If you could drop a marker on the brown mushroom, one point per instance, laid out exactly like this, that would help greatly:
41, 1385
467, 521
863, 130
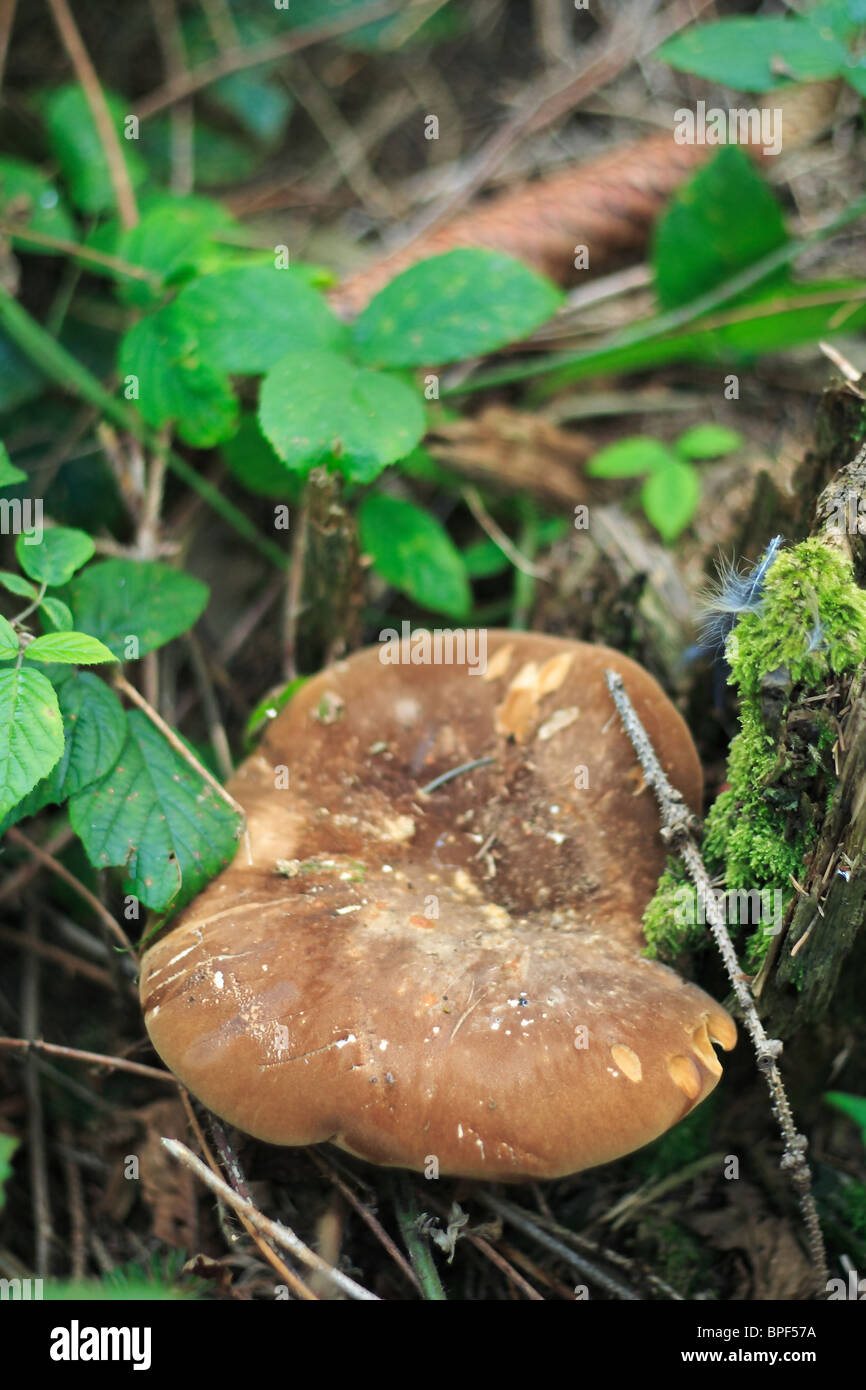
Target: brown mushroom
433, 965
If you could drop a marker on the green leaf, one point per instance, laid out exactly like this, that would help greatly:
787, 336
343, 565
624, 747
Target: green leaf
248, 317
316, 407
459, 305
253, 462
756, 55
629, 458
31, 733
174, 239
154, 815
16, 584
9, 474
177, 384
708, 441
94, 728
262, 107
414, 552
853, 1106
8, 1145
135, 606
58, 555
29, 200
9, 643
58, 615
70, 648
76, 144
724, 219
670, 497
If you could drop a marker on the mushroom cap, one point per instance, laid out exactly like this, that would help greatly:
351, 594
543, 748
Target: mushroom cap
451, 974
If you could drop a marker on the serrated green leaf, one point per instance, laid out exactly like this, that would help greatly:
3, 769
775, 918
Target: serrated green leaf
670, 497
9, 474
462, 304
8, 1145
94, 728
176, 383
629, 458
135, 606
56, 616
16, 584
253, 462
154, 815
709, 441
174, 239
9, 643
79, 151
61, 551
70, 648
721, 221
317, 407
248, 317
29, 200
31, 733
756, 55
413, 551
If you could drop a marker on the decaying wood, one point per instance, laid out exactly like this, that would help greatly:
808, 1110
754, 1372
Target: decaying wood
803, 971
607, 205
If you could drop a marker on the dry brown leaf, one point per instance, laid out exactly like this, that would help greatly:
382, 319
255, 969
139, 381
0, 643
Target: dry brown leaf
519, 451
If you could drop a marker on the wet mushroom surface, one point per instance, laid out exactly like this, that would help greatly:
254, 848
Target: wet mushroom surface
421, 960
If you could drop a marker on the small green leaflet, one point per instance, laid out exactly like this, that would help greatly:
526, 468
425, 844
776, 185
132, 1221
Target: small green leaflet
9, 474
174, 240
59, 618
462, 304
29, 200
9, 643
253, 462
16, 584
317, 407
721, 221
70, 648
58, 555
248, 317
135, 606
31, 733
176, 383
708, 441
670, 497
629, 458
154, 815
94, 726
413, 551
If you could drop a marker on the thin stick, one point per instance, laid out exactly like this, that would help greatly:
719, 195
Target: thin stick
524, 1221
178, 745
108, 137
7, 17
36, 1147
367, 1217
256, 53
472, 498
233, 1168
85, 255
22, 876
295, 589
65, 959
61, 871
98, 1059
276, 1232
678, 830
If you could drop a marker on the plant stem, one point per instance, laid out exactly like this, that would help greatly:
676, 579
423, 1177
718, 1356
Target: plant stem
678, 830
419, 1249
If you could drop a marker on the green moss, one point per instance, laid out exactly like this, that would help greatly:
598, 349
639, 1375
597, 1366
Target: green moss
810, 627
666, 928
678, 1147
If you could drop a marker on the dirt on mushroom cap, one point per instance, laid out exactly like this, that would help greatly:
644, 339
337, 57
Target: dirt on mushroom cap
453, 975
